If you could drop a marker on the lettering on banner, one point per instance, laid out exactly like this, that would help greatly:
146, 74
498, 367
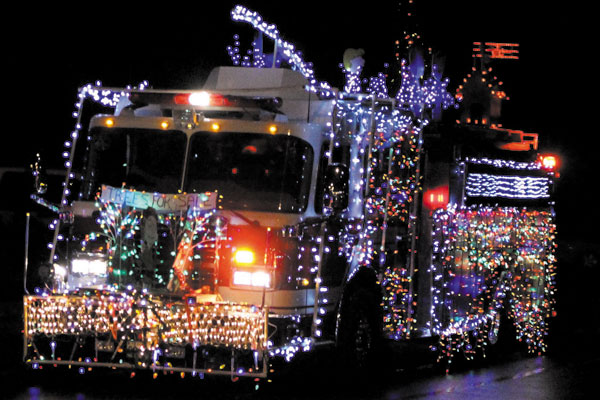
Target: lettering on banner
162, 203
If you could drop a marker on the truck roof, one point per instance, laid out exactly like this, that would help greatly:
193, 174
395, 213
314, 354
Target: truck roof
283, 92
298, 102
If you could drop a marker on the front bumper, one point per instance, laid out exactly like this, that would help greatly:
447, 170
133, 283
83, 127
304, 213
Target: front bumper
139, 331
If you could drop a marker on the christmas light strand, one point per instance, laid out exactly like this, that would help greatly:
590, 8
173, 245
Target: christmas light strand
289, 51
119, 314
513, 186
483, 257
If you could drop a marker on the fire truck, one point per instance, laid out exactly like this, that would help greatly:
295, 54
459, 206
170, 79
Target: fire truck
212, 231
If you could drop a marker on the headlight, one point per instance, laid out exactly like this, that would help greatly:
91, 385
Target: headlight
248, 274
252, 278
86, 266
60, 270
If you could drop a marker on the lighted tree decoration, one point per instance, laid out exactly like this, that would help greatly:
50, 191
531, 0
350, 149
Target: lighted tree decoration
195, 234
352, 66
119, 226
124, 226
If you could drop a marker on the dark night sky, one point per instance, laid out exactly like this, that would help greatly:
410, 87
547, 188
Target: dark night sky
51, 52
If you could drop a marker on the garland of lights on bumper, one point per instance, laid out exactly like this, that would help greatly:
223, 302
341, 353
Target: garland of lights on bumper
231, 325
235, 326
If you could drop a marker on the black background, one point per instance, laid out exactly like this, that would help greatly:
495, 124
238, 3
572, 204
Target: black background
51, 51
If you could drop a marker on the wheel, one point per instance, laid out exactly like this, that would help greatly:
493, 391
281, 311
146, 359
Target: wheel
359, 332
502, 338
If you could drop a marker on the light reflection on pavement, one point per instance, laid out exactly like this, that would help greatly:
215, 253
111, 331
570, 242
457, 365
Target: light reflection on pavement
537, 378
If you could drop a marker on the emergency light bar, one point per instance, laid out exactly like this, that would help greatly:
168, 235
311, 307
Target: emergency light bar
202, 99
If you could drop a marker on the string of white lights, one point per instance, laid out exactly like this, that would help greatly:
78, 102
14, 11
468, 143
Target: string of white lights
506, 186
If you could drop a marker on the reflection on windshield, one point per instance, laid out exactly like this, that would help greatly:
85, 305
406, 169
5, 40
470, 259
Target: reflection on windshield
251, 171
143, 159
259, 172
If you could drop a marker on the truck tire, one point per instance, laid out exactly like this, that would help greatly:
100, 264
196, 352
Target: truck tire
502, 337
360, 332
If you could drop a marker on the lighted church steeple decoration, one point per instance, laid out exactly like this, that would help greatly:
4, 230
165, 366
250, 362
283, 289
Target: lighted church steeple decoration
481, 92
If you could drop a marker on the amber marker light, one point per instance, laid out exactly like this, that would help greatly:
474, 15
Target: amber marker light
244, 257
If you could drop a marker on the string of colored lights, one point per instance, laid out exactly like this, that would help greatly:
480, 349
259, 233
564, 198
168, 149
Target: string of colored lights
486, 259
485, 76
195, 231
105, 96
235, 326
190, 232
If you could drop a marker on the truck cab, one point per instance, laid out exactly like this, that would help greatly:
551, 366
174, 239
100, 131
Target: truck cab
213, 197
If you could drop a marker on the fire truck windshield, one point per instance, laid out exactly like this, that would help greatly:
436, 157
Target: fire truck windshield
142, 159
259, 172
251, 171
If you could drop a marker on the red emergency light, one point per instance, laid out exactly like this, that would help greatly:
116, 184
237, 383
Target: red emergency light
202, 99
549, 162
198, 99
436, 197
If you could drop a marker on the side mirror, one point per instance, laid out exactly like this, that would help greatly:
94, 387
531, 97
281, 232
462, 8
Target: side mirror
335, 196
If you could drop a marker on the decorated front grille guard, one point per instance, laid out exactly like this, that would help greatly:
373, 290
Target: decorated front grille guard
140, 332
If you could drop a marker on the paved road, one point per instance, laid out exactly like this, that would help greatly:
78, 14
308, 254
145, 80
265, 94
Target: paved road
520, 378
536, 378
